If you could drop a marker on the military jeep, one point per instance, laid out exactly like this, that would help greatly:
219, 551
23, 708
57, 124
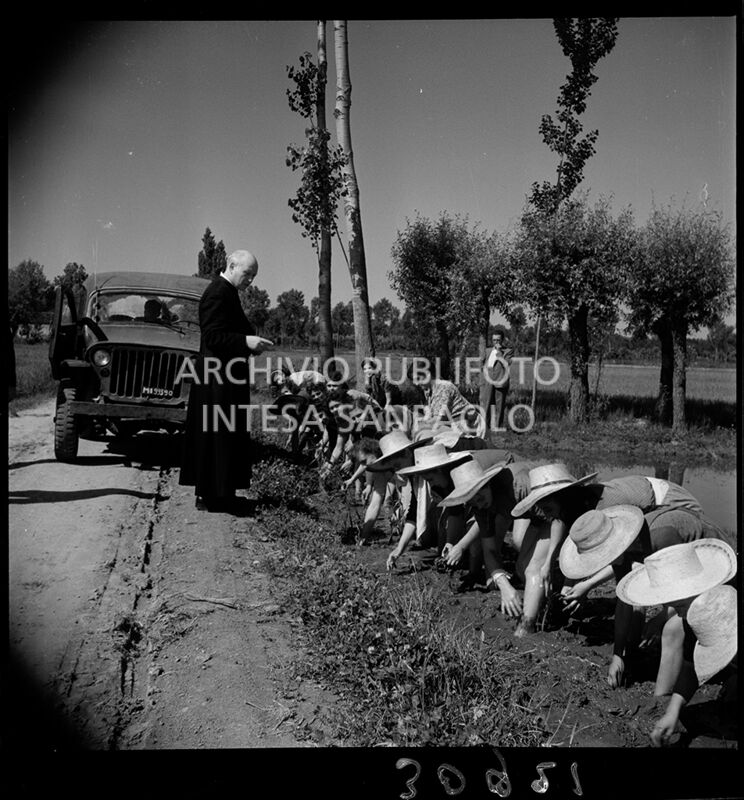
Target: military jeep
117, 346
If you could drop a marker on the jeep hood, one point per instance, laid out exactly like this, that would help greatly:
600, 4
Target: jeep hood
149, 335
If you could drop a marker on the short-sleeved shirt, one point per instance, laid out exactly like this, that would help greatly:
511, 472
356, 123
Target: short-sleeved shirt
672, 514
446, 401
503, 500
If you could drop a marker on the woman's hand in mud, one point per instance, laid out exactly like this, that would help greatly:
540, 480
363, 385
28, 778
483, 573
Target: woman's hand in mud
511, 602
663, 731
452, 554
525, 628
391, 560
573, 596
616, 672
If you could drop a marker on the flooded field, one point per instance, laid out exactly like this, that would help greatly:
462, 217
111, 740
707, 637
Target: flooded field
716, 490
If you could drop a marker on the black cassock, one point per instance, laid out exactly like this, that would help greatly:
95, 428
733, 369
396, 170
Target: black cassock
217, 443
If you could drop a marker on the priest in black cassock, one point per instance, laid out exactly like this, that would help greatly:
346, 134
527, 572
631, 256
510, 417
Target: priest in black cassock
217, 443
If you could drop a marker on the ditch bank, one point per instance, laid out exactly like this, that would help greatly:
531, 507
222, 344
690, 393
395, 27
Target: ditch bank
411, 661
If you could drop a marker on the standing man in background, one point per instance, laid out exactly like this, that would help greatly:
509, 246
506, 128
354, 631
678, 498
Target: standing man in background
495, 388
216, 455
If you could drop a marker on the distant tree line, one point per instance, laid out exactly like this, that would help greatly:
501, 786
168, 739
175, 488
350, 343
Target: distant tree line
31, 296
583, 272
462, 265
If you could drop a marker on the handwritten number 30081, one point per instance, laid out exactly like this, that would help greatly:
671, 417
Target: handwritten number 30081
497, 780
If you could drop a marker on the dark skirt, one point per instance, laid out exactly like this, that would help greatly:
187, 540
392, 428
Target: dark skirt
217, 452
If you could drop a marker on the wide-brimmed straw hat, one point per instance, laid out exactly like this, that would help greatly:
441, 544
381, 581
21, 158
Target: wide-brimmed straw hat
597, 538
712, 616
678, 572
442, 434
431, 457
545, 480
471, 476
392, 444
427, 433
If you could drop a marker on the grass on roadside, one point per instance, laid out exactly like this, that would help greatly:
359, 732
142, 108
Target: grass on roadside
34, 382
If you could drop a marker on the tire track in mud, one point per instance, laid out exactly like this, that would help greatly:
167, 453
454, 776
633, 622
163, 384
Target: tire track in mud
69, 676
99, 691
80, 555
131, 628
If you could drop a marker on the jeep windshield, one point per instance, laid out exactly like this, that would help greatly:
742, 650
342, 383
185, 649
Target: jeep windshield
144, 308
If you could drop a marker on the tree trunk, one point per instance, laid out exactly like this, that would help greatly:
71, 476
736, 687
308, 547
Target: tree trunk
325, 327
677, 473
485, 323
663, 408
444, 352
579, 387
679, 383
363, 341
535, 359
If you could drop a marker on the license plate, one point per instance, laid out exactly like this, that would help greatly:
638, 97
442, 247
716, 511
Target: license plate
155, 391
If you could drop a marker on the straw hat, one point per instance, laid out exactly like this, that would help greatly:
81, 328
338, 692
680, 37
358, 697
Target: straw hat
546, 480
392, 444
597, 538
433, 456
471, 476
430, 434
677, 572
712, 617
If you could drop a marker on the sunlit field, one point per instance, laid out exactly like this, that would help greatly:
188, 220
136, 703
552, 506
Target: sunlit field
622, 389
614, 379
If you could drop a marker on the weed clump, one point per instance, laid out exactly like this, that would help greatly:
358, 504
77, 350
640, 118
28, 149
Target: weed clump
279, 481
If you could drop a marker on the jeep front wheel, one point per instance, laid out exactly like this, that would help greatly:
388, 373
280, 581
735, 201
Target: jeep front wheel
66, 428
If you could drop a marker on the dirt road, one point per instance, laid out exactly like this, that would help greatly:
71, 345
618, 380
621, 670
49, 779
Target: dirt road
136, 621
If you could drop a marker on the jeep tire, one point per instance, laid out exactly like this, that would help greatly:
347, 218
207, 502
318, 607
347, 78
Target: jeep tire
66, 426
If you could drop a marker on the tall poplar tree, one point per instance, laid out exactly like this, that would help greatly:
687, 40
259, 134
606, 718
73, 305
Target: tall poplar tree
314, 205
584, 41
364, 344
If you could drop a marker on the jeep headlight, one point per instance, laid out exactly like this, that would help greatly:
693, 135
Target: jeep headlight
101, 358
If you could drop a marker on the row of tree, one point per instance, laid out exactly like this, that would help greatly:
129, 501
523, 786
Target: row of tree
570, 263
294, 324
583, 271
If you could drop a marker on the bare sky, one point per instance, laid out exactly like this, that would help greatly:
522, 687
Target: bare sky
138, 135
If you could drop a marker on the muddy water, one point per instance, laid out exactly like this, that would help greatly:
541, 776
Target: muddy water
714, 489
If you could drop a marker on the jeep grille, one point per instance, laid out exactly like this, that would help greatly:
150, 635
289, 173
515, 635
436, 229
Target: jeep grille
145, 374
